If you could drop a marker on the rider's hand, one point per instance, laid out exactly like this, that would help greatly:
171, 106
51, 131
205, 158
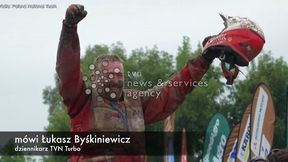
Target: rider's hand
212, 52
74, 14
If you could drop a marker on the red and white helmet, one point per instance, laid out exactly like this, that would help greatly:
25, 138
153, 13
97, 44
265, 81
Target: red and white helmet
241, 35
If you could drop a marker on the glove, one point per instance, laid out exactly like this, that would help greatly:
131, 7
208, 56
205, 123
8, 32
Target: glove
74, 14
227, 57
224, 53
212, 52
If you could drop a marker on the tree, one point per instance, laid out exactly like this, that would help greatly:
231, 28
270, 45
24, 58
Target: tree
8, 153
17, 158
58, 118
184, 53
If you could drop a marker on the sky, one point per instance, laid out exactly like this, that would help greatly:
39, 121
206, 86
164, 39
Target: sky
29, 39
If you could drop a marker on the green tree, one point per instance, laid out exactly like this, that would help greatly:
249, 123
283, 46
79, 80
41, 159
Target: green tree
184, 53
17, 158
8, 153
58, 118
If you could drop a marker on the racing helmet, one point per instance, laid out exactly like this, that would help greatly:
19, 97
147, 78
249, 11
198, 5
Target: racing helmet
241, 37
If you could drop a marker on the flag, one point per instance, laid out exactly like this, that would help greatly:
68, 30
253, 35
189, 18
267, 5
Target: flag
184, 147
215, 138
169, 127
243, 150
230, 150
262, 122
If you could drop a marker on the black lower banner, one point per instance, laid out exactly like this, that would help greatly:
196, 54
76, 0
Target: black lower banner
94, 143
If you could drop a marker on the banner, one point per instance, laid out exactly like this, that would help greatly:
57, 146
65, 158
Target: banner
93, 143
230, 151
243, 149
215, 138
262, 121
